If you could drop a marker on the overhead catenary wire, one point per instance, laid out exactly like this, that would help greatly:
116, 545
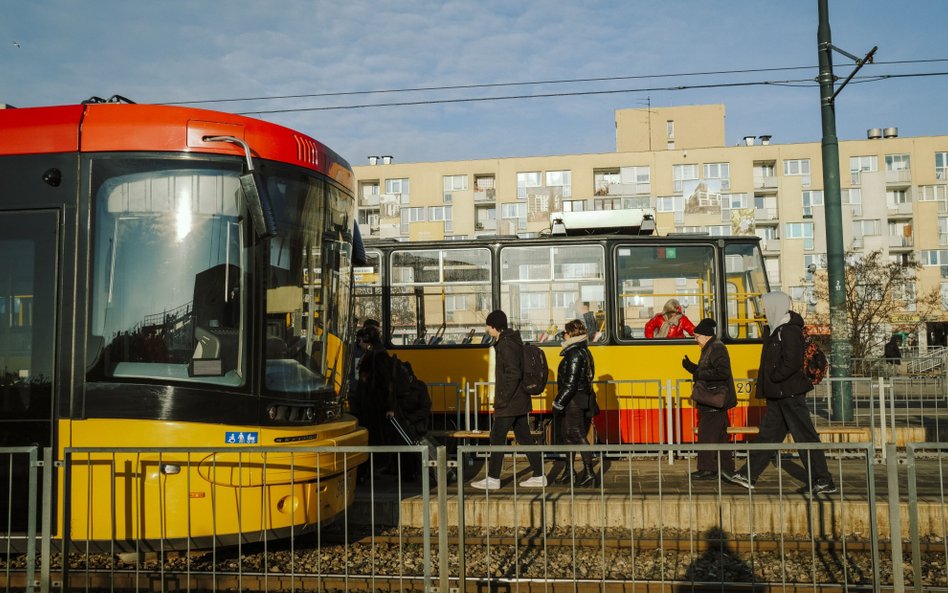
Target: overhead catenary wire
530, 83
786, 83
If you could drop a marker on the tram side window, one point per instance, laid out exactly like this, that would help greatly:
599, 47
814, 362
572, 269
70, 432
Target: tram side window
367, 301
439, 296
649, 277
544, 287
746, 281
168, 275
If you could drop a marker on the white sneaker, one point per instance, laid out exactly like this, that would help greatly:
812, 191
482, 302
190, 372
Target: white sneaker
534, 482
487, 483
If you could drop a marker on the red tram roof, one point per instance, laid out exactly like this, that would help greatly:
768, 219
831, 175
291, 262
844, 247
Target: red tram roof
158, 128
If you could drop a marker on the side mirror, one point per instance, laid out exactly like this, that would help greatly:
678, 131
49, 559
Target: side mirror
255, 194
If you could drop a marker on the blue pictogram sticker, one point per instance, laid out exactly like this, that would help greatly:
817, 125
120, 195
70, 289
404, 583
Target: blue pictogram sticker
240, 438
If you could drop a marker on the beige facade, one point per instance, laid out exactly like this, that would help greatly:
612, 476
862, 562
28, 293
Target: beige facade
893, 192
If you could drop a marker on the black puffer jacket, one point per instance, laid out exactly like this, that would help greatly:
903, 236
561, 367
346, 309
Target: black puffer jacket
572, 376
781, 362
510, 399
714, 368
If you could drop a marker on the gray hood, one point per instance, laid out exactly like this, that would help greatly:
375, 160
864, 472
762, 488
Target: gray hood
776, 308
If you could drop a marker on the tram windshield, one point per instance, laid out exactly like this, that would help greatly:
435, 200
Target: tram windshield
171, 275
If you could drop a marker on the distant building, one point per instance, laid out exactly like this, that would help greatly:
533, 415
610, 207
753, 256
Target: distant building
674, 159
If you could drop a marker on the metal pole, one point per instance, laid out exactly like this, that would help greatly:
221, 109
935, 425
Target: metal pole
840, 349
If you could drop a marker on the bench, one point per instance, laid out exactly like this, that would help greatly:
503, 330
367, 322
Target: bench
473, 434
836, 433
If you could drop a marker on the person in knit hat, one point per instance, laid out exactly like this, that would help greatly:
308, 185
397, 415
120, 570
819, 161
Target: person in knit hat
714, 370
512, 404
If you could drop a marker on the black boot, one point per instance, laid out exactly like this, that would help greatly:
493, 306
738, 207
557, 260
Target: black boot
568, 475
588, 479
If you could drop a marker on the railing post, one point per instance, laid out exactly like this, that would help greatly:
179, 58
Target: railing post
895, 517
883, 436
669, 426
913, 516
442, 486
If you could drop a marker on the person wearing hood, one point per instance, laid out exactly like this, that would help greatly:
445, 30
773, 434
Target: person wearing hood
512, 404
713, 369
670, 323
781, 381
576, 401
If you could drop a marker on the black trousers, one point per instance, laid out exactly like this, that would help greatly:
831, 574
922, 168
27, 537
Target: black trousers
575, 429
498, 436
783, 416
712, 428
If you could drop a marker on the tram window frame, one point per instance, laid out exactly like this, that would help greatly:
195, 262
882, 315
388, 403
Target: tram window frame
734, 322
432, 293
688, 294
109, 169
588, 290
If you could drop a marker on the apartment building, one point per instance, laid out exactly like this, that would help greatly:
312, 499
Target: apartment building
674, 160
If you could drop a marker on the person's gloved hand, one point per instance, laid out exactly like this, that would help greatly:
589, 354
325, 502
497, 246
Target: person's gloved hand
558, 407
688, 365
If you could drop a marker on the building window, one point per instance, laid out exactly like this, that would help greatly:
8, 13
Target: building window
574, 205
941, 166
439, 213
719, 171
800, 230
858, 164
894, 197
670, 129
525, 181
515, 211
396, 186
669, 204
897, 162
944, 295
682, 174
798, 168
455, 182
561, 179
733, 201
935, 257
811, 198
942, 231
603, 178
607, 204
369, 189
932, 193
862, 228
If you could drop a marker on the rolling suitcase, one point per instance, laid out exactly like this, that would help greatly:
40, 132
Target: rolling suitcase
410, 437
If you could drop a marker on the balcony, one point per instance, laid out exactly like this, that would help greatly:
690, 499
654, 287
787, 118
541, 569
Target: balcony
765, 214
901, 242
369, 200
901, 177
485, 225
765, 182
901, 209
485, 195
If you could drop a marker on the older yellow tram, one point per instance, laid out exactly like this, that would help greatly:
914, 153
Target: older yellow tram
432, 299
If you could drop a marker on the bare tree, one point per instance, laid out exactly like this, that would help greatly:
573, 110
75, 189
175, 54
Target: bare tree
877, 289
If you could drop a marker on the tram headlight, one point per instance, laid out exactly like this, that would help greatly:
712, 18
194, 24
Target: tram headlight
170, 469
309, 414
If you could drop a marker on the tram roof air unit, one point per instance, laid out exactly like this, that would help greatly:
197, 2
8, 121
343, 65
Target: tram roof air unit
630, 221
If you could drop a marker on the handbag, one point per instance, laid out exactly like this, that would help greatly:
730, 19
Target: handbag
702, 393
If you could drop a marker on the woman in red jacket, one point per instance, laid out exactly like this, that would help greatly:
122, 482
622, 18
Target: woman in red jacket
670, 323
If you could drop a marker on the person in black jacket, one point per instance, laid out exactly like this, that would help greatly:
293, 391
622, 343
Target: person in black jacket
714, 369
784, 385
576, 400
512, 404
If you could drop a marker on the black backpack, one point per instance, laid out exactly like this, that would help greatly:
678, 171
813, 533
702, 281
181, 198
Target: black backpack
535, 370
411, 393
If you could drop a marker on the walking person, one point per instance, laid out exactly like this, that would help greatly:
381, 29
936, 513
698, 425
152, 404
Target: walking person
512, 404
783, 384
575, 400
713, 369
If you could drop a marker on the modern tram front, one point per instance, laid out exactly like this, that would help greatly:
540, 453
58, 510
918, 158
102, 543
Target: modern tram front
189, 292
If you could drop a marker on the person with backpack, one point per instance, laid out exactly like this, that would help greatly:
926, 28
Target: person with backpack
374, 391
512, 404
782, 382
576, 401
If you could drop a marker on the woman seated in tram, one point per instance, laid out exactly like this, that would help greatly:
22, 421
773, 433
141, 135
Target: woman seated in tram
670, 323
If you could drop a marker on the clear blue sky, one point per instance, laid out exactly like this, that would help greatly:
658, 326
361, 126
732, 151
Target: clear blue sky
177, 50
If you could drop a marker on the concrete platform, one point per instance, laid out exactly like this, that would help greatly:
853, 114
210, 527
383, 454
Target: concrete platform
649, 494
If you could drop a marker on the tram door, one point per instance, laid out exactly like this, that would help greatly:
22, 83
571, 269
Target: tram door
28, 273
